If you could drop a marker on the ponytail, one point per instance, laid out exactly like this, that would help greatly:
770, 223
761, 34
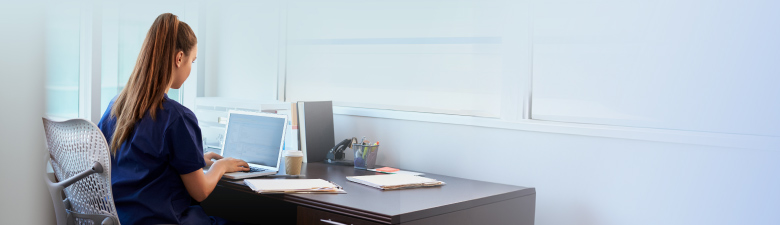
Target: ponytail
152, 75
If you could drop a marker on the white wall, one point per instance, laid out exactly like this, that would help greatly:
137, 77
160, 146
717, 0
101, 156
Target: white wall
23, 195
589, 180
579, 179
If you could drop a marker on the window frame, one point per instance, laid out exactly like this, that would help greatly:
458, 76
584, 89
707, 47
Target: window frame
515, 104
593, 130
90, 61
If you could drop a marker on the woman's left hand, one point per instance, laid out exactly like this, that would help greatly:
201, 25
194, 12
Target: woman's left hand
211, 155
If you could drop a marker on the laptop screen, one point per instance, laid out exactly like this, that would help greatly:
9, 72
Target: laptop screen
254, 138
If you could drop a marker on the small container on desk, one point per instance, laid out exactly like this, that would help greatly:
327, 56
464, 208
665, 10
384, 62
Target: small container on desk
365, 155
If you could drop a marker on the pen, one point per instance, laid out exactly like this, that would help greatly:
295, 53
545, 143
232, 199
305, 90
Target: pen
285, 175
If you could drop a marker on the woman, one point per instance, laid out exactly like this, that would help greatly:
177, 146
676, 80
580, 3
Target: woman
156, 142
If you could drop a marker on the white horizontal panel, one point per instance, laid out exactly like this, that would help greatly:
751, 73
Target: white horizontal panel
491, 45
446, 83
476, 73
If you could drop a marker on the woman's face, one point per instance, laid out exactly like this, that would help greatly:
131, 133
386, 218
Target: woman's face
182, 67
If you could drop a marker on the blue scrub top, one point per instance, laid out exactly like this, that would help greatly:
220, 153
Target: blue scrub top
145, 170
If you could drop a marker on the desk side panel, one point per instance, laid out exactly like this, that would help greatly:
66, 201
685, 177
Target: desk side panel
516, 211
238, 206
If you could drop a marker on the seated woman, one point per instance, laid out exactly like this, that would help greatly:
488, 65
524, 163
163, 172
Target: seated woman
155, 142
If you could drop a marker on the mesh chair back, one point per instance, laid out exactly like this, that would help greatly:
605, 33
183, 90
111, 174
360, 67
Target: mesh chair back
74, 146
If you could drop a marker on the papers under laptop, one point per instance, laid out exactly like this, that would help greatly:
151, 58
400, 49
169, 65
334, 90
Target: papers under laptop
258, 139
298, 186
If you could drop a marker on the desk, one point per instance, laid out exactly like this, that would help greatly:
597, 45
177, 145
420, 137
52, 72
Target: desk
460, 201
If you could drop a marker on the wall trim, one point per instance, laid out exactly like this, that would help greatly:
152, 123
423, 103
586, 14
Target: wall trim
756, 142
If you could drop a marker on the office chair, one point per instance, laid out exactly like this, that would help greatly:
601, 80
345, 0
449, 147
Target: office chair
79, 155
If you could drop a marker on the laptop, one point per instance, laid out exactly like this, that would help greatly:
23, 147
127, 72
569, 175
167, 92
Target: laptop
258, 139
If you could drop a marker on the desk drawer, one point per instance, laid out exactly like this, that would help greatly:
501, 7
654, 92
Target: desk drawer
313, 216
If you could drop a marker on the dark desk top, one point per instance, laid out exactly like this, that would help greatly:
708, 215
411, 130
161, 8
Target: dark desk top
392, 206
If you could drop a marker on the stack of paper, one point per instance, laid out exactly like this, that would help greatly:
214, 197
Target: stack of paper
397, 172
293, 186
395, 181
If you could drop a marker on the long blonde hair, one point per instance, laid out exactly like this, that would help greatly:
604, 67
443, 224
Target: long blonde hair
152, 75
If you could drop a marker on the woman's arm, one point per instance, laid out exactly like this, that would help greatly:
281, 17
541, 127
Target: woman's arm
209, 156
200, 185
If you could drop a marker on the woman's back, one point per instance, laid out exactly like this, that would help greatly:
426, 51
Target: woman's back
155, 141
146, 168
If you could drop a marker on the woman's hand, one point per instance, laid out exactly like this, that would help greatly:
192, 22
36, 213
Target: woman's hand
200, 185
232, 165
211, 155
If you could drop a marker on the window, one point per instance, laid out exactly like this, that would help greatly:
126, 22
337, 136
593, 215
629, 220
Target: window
69, 38
662, 65
501, 60
425, 56
242, 49
62, 59
125, 25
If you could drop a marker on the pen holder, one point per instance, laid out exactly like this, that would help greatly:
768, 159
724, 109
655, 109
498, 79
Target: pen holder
365, 156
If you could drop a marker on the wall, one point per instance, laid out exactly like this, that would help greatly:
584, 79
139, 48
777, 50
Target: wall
579, 179
23, 195
589, 180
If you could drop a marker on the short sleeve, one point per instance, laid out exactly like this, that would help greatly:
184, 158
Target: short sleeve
107, 123
184, 141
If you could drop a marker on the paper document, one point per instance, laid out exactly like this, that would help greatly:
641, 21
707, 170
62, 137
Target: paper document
399, 172
293, 186
395, 181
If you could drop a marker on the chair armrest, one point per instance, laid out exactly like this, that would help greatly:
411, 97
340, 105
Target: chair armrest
55, 191
96, 168
102, 219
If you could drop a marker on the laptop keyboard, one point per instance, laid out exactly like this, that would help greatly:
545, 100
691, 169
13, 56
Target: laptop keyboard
253, 169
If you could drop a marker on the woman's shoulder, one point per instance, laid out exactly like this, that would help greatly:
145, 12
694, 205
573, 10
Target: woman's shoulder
176, 109
107, 113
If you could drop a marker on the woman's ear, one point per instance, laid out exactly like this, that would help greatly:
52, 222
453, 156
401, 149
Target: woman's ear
179, 58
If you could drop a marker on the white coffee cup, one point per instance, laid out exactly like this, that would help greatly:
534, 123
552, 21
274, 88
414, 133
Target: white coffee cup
293, 160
